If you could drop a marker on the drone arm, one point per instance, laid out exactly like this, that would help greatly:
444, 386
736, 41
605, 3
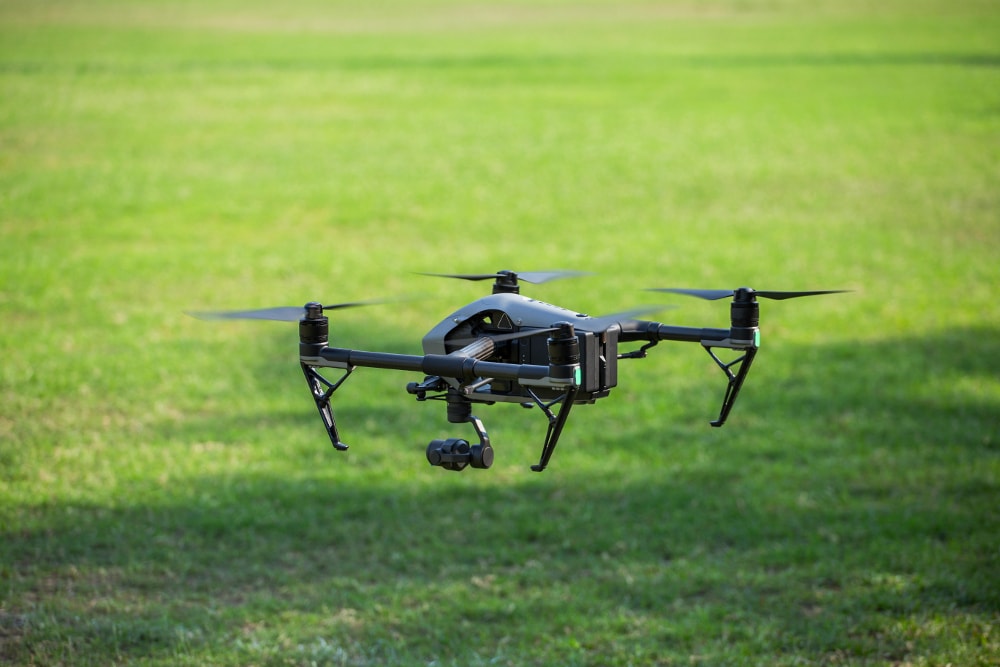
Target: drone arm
445, 365
653, 332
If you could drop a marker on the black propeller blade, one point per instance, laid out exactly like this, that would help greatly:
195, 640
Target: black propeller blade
605, 321
715, 294
534, 277
280, 314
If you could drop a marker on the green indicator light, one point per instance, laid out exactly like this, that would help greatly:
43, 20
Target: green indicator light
756, 338
577, 376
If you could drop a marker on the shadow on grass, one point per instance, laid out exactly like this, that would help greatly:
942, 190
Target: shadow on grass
937, 389
841, 551
527, 62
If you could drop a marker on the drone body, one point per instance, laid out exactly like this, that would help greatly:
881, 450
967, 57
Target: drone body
517, 326
508, 348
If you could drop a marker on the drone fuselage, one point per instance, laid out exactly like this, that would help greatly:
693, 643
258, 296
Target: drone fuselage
510, 319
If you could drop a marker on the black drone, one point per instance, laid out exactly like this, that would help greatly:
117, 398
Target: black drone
509, 348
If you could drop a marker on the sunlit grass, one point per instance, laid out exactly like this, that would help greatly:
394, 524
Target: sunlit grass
167, 494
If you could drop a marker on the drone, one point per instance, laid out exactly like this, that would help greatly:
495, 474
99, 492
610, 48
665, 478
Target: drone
509, 348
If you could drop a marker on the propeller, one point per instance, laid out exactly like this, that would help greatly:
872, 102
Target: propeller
715, 294
280, 314
534, 277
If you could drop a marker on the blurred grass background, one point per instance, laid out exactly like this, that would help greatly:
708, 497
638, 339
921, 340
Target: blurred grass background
168, 496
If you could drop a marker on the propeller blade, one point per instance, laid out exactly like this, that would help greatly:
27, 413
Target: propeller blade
792, 295
278, 314
534, 277
462, 276
539, 277
715, 294
605, 321
709, 294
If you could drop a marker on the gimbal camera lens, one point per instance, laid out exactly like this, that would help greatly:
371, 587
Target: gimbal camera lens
452, 454
456, 454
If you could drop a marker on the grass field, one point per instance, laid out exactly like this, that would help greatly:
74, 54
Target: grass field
168, 496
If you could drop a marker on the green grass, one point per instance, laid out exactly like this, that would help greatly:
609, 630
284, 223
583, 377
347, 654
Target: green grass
167, 494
